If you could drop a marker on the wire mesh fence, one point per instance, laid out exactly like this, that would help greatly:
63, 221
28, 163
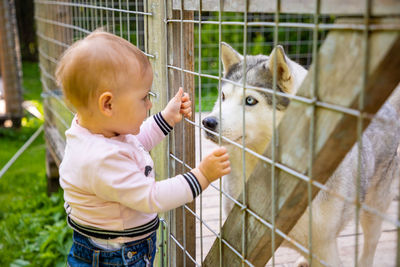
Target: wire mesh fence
296, 41
336, 68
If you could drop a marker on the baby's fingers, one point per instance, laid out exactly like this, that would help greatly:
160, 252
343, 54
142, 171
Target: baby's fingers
187, 112
224, 157
185, 97
180, 94
186, 104
225, 164
226, 171
220, 151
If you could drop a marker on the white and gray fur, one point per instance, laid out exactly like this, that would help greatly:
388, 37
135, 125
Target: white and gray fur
379, 160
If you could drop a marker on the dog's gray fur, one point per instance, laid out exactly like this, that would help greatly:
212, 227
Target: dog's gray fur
379, 159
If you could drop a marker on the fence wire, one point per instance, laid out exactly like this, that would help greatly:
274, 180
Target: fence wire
60, 23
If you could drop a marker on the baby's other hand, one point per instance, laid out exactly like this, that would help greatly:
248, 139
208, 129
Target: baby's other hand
215, 164
179, 105
186, 105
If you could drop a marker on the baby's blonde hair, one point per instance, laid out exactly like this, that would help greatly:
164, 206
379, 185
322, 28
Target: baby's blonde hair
95, 64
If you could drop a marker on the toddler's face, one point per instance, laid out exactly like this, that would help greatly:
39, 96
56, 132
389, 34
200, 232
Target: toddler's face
133, 103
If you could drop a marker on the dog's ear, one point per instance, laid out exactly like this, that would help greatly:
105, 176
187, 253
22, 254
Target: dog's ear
284, 75
229, 56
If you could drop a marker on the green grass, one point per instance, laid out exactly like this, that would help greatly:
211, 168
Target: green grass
32, 224
31, 81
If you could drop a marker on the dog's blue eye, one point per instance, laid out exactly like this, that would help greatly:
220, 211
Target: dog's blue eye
251, 101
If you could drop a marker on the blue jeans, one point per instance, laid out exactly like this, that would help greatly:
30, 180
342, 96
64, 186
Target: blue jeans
85, 253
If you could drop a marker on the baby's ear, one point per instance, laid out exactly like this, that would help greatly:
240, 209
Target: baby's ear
105, 103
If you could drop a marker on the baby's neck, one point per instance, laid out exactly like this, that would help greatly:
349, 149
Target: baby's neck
91, 124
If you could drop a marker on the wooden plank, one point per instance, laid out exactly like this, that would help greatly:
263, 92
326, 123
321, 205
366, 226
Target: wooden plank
55, 143
155, 32
10, 62
338, 7
340, 80
182, 143
52, 174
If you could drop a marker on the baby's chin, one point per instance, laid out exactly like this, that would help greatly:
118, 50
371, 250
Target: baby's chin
135, 131
128, 131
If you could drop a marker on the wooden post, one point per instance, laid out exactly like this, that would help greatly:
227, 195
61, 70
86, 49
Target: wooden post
52, 175
181, 146
11, 62
181, 54
341, 68
156, 33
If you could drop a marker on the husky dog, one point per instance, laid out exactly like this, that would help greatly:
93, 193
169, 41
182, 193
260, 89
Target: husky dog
380, 162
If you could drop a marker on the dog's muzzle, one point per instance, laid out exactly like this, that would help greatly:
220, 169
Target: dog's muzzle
210, 123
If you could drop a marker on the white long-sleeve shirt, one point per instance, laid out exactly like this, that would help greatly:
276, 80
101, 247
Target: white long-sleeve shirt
109, 182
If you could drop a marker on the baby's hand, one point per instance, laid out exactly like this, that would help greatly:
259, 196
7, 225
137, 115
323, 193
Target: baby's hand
179, 105
215, 164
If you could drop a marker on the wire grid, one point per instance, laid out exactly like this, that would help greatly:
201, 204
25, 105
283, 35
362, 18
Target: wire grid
60, 23
254, 33
310, 30
296, 41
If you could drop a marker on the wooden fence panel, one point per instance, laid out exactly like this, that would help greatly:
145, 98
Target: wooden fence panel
331, 7
53, 39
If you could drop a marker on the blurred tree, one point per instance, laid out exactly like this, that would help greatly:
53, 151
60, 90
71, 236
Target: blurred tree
26, 29
10, 64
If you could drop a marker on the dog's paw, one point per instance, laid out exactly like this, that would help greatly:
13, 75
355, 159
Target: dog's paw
301, 262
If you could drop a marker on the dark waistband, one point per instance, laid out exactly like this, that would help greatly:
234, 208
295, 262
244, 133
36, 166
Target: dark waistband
109, 234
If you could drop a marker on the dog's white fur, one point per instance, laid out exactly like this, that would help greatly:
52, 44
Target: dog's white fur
329, 214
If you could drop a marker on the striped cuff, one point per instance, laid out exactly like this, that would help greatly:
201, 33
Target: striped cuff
162, 123
193, 183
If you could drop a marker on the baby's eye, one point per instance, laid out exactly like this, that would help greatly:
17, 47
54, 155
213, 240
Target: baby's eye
148, 95
152, 94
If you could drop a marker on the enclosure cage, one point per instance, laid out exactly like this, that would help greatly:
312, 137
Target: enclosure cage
351, 49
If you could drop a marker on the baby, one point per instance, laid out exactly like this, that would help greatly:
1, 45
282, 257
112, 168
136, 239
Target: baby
111, 196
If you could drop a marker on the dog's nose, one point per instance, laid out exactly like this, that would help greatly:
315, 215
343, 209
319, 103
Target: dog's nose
210, 123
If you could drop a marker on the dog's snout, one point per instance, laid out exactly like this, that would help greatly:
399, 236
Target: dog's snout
210, 123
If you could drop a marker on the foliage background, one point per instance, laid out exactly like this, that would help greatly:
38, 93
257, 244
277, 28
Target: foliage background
296, 41
32, 224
